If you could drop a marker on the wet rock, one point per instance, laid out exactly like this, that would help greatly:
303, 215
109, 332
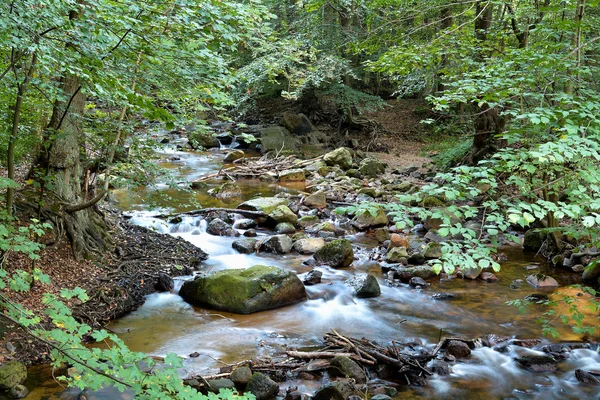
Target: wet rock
587, 377
371, 167
382, 235
443, 296
241, 376
233, 156
225, 138
470, 273
245, 223
341, 157
309, 245
458, 349
345, 367
533, 240
316, 200
323, 227
292, 175
432, 202
542, 281
313, 277
404, 274
282, 214
262, 386
337, 254
250, 233
216, 385
202, 139
297, 124
165, 283
227, 191
367, 220
432, 250
416, 258
417, 282
591, 273
381, 397
307, 221
294, 395
245, 291
396, 255
364, 285
536, 297
488, 277
264, 204
12, 373
317, 166
276, 138
436, 222
18, 392
245, 246
538, 363
440, 367
338, 390
529, 343
397, 240
281, 244
218, 227
284, 228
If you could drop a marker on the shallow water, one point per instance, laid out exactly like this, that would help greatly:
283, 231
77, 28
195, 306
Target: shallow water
166, 324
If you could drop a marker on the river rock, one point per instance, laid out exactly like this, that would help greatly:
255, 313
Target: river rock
542, 281
298, 124
262, 386
284, 228
245, 246
233, 156
281, 244
218, 227
245, 291
164, 283
250, 233
381, 397
397, 240
337, 254
396, 255
346, 367
591, 273
436, 222
276, 138
458, 349
18, 392
533, 240
245, 223
432, 202
264, 204
12, 373
440, 367
308, 220
202, 139
587, 377
366, 220
371, 167
538, 363
227, 191
488, 277
282, 213
309, 245
341, 157
323, 227
432, 250
416, 258
364, 285
415, 282
216, 385
313, 277
225, 138
241, 376
404, 274
316, 200
338, 390
292, 175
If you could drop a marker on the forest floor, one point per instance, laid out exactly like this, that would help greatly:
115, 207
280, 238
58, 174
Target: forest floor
399, 134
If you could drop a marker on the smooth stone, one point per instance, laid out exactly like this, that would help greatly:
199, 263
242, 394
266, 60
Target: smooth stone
18, 392
283, 213
218, 227
345, 367
341, 157
366, 220
397, 240
245, 223
284, 228
538, 363
488, 277
542, 281
281, 244
292, 175
458, 349
313, 277
307, 221
264, 204
12, 373
262, 386
415, 281
396, 254
241, 376
245, 246
217, 384
233, 156
316, 200
337, 254
364, 285
309, 245
433, 250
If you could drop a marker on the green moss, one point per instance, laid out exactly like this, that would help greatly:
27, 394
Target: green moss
337, 254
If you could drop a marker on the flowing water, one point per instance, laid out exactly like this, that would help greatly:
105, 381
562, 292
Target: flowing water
166, 324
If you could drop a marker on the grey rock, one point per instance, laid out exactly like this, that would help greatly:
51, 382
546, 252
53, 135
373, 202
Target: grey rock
262, 386
241, 376
538, 363
284, 228
245, 246
313, 277
458, 349
337, 254
281, 244
309, 245
364, 285
347, 368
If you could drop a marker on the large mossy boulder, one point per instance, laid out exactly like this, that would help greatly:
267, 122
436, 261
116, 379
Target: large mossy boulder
371, 168
277, 138
533, 240
281, 214
337, 254
366, 220
298, 124
245, 291
264, 204
12, 373
204, 140
341, 157
397, 255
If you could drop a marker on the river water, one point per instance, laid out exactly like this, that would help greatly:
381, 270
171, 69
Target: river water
166, 324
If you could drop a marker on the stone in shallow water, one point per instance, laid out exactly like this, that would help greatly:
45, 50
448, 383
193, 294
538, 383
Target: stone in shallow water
313, 277
245, 246
345, 367
245, 291
281, 244
337, 254
309, 245
241, 376
542, 281
538, 363
12, 373
458, 349
262, 386
364, 285
264, 204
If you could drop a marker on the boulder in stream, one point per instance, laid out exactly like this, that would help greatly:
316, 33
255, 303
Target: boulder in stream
18, 392
218, 227
264, 204
282, 213
241, 376
262, 386
338, 390
316, 200
364, 285
542, 281
592, 377
245, 223
283, 228
341, 157
229, 191
233, 156
337, 254
396, 255
298, 124
538, 363
245, 291
12, 373
458, 349
309, 245
281, 244
313, 277
367, 220
245, 246
346, 367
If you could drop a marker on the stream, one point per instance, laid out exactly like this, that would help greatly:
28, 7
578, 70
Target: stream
167, 324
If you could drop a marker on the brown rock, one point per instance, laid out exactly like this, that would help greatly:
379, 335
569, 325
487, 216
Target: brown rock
488, 277
397, 240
